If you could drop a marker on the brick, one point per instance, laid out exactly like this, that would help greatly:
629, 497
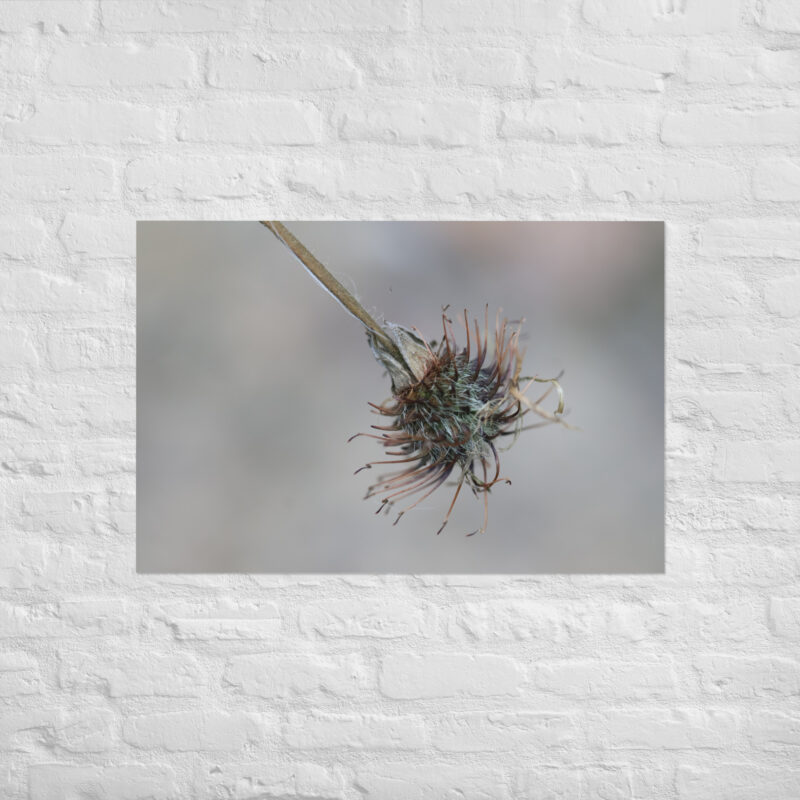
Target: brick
382, 619
751, 238
378, 181
694, 17
91, 348
131, 782
30, 289
782, 296
190, 731
781, 67
780, 15
743, 411
406, 676
758, 462
473, 181
122, 65
573, 121
98, 237
748, 676
479, 66
504, 731
774, 730
704, 66
668, 729
68, 619
784, 617
635, 67
126, 675
199, 177
283, 70
84, 731
516, 621
93, 122
16, 348
524, 181
222, 619
606, 680
711, 347
69, 16
185, 16
659, 181
248, 781
19, 674
18, 55
756, 566
736, 781
49, 177
443, 123
284, 122
777, 179
535, 17
285, 676
361, 732
555, 783
21, 237
430, 780
709, 125
332, 15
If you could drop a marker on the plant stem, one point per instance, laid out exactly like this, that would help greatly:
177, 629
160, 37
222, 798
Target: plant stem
322, 274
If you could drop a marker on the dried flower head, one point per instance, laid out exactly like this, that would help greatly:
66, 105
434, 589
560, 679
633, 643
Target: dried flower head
449, 407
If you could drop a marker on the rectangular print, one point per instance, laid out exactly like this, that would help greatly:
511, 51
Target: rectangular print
400, 397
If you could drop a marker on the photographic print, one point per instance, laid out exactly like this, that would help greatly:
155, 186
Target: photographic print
400, 397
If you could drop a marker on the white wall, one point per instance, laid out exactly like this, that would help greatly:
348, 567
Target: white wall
120, 686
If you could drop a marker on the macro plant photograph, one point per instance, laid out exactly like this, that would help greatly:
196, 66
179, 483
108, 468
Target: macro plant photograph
400, 397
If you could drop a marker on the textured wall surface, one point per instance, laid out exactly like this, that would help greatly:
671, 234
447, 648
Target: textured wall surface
120, 686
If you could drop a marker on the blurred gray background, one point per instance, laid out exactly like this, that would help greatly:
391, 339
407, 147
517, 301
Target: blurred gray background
251, 379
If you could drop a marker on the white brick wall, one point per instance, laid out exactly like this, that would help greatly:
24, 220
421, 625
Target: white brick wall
114, 685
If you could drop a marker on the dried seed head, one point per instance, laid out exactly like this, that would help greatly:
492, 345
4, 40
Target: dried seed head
448, 408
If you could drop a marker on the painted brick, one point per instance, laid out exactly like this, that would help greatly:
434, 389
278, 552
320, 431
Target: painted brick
359, 732
441, 123
572, 121
350, 618
190, 731
748, 676
331, 15
285, 676
122, 65
606, 679
73, 122
777, 179
51, 178
694, 17
736, 781
283, 70
220, 619
19, 675
153, 674
187, 16
701, 125
199, 177
21, 237
504, 731
780, 15
131, 781
654, 181
407, 676
71, 16
265, 122
98, 237
536, 17
423, 781
751, 238
260, 779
